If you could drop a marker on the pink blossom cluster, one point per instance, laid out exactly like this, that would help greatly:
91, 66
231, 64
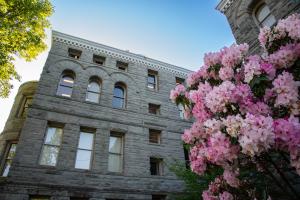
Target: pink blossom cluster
256, 66
179, 90
235, 118
214, 191
217, 99
284, 57
289, 27
257, 134
286, 90
287, 138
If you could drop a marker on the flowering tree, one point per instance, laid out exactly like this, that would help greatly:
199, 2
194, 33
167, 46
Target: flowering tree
246, 111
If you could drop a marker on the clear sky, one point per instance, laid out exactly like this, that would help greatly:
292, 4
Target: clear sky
174, 31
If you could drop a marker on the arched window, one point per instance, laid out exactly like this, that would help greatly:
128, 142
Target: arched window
93, 90
66, 84
119, 96
264, 16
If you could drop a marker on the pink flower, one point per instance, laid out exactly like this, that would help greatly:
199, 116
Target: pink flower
284, 57
219, 96
291, 25
212, 58
252, 67
269, 70
233, 55
231, 178
286, 90
257, 134
226, 196
226, 73
179, 90
263, 36
233, 124
197, 160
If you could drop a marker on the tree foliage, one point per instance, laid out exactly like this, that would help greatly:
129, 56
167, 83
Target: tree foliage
22, 34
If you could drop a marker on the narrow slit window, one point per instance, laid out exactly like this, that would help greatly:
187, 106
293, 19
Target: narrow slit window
8, 160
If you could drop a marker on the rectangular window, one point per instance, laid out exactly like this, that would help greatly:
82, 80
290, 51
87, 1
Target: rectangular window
115, 158
158, 197
74, 53
26, 105
51, 146
179, 80
154, 136
100, 60
9, 157
122, 66
34, 197
156, 166
154, 109
152, 79
84, 150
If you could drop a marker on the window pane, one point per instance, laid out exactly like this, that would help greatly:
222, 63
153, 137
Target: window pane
6, 168
27, 104
67, 81
117, 102
53, 136
86, 141
12, 151
262, 12
151, 86
64, 91
151, 79
115, 163
154, 137
269, 21
83, 159
154, 168
115, 144
92, 97
94, 87
119, 92
49, 155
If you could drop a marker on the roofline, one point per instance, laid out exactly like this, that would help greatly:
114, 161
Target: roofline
118, 53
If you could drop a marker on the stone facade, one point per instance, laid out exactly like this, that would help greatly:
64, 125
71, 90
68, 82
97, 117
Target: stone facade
27, 177
242, 20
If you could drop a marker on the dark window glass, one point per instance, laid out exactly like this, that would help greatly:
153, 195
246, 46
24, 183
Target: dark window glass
154, 136
65, 87
122, 66
74, 53
27, 104
100, 60
9, 157
39, 198
119, 97
155, 166
179, 80
158, 197
154, 109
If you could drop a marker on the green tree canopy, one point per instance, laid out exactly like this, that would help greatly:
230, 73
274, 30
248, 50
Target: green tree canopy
22, 34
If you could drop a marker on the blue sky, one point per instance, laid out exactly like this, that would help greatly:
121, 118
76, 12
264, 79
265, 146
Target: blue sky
174, 31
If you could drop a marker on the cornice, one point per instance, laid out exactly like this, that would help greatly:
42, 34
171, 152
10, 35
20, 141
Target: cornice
118, 53
224, 5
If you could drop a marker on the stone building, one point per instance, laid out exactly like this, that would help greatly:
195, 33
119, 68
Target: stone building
246, 17
98, 125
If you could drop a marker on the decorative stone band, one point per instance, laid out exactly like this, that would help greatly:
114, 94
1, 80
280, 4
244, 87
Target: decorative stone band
117, 53
224, 5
